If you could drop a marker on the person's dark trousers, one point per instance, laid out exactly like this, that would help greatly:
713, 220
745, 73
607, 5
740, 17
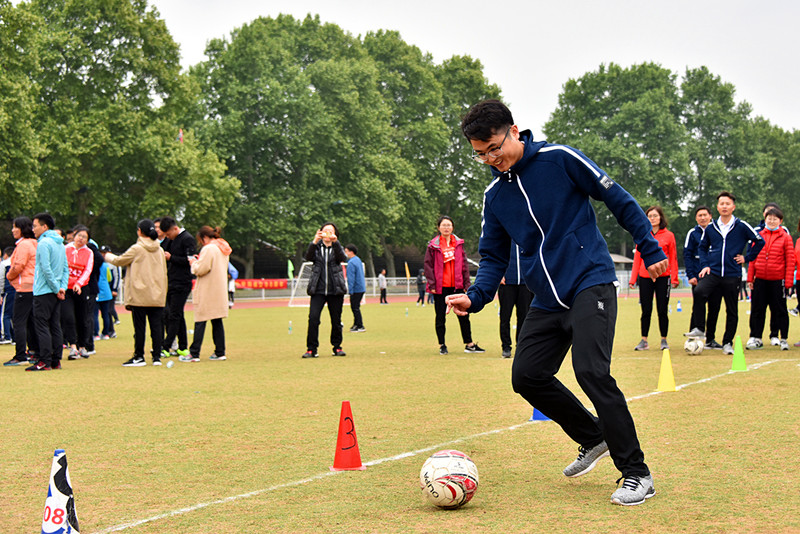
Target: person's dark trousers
47, 315
588, 326
217, 333
75, 314
335, 304
421, 299
108, 320
141, 316
383, 296
714, 303
510, 296
729, 287
659, 288
91, 319
8, 313
176, 323
440, 307
768, 293
355, 307
24, 326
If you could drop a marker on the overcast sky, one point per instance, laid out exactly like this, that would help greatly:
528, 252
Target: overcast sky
531, 48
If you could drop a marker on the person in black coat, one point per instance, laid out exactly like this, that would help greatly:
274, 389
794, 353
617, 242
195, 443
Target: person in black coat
326, 285
178, 246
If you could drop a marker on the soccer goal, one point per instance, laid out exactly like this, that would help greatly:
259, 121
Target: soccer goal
299, 285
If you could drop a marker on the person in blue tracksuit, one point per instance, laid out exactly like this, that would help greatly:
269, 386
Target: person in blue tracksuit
512, 293
720, 263
691, 261
539, 199
356, 286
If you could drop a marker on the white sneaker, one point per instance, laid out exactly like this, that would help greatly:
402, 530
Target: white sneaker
754, 343
784, 344
774, 341
634, 490
727, 348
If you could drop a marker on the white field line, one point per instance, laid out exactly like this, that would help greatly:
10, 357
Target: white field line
439, 446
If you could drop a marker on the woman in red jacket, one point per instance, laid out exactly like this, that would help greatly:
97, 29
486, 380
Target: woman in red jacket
770, 277
661, 285
76, 307
447, 272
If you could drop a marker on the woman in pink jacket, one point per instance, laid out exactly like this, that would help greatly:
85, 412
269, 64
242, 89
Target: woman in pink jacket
447, 272
75, 309
20, 274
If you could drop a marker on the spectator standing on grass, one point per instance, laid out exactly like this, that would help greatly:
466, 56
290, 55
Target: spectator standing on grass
569, 269
512, 293
356, 285
49, 288
770, 278
114, 283
145, 290
421, 283
210, 293
721, 261
75, 310
447, 273
659, 286
691, 258
325, 286
105, 300
179, 246
7, 296
94, 288
382, 286
233, 275
21, 275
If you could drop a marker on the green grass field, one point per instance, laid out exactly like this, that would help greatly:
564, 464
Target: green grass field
245, 445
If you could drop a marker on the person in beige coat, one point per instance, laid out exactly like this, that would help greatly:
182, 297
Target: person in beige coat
145, 290
210, 297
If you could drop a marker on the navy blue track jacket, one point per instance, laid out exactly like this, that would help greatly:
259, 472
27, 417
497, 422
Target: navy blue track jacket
691, 256
542, 204
718, 252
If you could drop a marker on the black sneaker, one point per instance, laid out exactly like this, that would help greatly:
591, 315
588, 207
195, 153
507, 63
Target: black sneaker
506, 353
136, 361
339, 352
443, 349
713, 345
56, 365
157, 360
13, 361
39, 366
473, 349
310, 354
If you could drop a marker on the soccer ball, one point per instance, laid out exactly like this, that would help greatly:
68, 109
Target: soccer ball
694, 345
449, 479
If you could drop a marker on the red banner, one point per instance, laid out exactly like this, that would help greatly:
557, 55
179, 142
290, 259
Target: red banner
261, 283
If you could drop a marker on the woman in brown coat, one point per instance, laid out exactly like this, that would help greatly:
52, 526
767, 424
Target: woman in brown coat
210, 292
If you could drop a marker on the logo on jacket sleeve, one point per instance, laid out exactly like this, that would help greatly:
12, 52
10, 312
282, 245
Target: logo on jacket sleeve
606, 182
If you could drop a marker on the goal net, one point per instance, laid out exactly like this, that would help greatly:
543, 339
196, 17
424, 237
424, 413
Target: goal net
299, 285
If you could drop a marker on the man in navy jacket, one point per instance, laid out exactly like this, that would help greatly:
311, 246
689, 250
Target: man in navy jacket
691, 260
539, 198
720, 264
512, 293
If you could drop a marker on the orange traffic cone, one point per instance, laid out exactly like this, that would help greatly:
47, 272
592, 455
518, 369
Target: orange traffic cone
347, 456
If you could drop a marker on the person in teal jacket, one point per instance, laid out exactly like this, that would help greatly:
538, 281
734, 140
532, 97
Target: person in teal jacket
49, 288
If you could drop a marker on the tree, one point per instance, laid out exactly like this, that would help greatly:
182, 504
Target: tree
19, 144
108, 88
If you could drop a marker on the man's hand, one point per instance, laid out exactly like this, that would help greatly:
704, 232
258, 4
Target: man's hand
704, 271
693, 281
61, 295
460, 303
657, 269
167, 255
739, 259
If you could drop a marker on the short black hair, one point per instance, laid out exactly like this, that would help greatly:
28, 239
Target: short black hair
166, 223
727, 194
9, 250
775, 211
485, 119
81, 228
352, 248
45, 219
698, 209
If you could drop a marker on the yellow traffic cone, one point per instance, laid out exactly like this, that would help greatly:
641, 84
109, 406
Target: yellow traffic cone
666, 380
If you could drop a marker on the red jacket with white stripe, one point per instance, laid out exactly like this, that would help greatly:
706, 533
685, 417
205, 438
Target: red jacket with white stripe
81, 262
776, 260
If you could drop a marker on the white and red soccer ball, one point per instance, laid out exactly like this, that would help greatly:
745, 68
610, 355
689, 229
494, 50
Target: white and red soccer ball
449, 479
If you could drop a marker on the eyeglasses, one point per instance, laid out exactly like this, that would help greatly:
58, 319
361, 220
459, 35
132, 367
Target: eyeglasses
493, 153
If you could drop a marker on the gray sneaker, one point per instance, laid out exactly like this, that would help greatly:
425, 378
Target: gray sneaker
587, 459
642, 345
634, 490
695, 332
727, 348
664, 345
